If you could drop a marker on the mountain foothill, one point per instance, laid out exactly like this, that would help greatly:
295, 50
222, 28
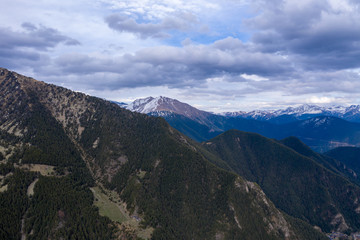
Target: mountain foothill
169, 170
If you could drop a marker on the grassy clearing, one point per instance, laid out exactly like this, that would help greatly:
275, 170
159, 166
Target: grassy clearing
108, 208
145, 233
45, 170
111, 206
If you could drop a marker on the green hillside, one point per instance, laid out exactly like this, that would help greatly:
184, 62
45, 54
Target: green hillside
332, 163
296, 184
349, 156
166, 183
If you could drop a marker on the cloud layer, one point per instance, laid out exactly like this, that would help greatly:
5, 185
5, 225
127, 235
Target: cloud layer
230, 50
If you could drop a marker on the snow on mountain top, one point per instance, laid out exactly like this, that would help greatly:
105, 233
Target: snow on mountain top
303, 109
338, 109
159, 104
232, 114
140, 105
149, 104
353, 108
164, 104
297, 111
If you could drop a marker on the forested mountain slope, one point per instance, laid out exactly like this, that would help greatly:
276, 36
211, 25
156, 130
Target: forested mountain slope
349, 156
333, 163
159, 174
295, 183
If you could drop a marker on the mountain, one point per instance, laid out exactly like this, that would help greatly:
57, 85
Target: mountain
352, 113
295, 183
349, 156
169, 108
303, 112
191, 128
164, 104
332, 163
215, 124
60, 205
323, 133
197, 124
79, 167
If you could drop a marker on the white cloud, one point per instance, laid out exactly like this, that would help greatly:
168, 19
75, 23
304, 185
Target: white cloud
157, 9
254, 77
178, 21
317, 100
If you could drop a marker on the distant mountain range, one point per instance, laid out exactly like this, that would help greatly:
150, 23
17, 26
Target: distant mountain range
197, 124
280, 116
302, 112
320, 128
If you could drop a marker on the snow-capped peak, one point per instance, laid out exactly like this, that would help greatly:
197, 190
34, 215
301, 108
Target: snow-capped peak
319, 121
353, 108
149, 104
164, 104
351, 113
303, 109
139, 104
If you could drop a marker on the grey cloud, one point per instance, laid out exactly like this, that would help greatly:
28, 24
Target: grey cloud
38, 38
192, 66
28, 48
327, 82
124, 23
316, 35
50, 36
175, 67
215, 59
22, 59
29, 26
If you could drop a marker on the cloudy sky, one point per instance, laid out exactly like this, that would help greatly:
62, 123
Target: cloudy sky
216, 55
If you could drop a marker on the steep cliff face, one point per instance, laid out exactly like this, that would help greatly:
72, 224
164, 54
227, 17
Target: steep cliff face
162, 178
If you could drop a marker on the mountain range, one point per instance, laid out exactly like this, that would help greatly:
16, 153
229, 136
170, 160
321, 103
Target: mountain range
73, 166
280, 116
79, 167
306, 111
322, 129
